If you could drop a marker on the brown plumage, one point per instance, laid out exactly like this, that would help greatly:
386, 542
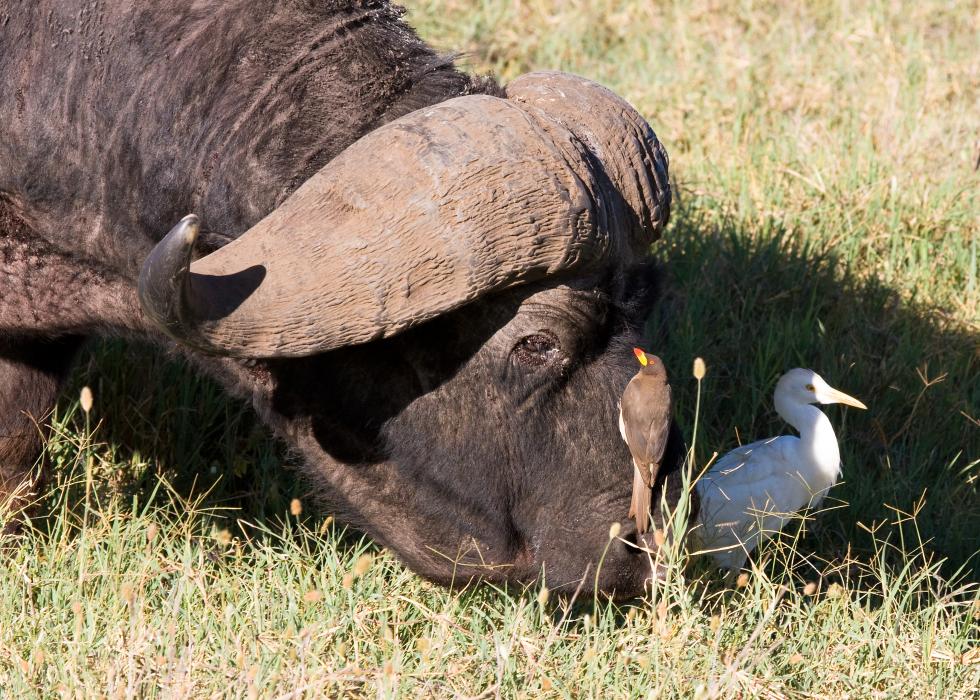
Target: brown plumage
644, 422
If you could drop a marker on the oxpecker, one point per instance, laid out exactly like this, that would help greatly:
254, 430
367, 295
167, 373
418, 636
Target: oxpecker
645, 413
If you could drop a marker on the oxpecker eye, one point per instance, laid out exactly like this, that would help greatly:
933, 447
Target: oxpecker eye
641, 356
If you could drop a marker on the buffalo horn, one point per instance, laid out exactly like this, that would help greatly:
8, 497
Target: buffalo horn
419, 217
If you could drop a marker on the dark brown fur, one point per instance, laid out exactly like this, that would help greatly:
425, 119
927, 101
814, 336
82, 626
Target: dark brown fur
116, 118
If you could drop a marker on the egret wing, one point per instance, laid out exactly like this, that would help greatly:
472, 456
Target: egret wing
750, 494
770, 469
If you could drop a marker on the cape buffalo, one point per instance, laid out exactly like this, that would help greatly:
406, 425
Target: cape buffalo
427, 283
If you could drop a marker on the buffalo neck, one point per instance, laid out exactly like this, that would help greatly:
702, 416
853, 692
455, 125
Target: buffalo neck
153, 110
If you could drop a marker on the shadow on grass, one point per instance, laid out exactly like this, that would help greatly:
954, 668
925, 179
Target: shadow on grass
155, 418
753, 304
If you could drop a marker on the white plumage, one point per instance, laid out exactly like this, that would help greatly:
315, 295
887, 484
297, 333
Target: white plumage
753, 491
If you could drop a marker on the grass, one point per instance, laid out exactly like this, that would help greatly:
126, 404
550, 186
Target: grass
825, 167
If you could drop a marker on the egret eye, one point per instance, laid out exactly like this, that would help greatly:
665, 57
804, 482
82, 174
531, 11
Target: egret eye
809, 387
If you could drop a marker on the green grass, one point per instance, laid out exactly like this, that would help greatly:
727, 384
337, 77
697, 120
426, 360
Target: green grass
827, 209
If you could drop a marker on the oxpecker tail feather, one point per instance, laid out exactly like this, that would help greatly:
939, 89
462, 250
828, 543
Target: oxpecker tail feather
640, 503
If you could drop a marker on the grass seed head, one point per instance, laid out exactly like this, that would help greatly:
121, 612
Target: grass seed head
296, 507
614, 530
327, 522
715, 623
85, 399
543, 596
835, 590
743, 580
810, 588
362, 565
699, 368
312, 596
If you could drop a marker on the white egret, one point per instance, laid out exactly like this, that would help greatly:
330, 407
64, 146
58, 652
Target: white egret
753, 491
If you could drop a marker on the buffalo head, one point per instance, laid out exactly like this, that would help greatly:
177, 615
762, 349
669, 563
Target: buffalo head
442, 319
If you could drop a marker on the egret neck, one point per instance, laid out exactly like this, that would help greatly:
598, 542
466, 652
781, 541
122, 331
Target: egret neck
817, 438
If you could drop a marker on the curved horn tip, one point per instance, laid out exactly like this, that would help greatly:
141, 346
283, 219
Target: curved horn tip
163, 275
187, 228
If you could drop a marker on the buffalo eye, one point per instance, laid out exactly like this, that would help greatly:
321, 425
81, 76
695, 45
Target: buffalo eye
536, 350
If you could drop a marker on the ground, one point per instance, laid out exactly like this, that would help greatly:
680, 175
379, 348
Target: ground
825, 160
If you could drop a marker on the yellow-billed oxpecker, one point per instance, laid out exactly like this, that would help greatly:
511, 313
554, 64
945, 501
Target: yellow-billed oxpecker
644, 422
